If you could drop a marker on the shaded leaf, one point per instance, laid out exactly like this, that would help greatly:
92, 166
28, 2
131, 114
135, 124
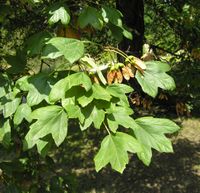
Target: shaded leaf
17, 62
36, 42
5, 132
77, 79
39, 87
74, 111
92, 115
90, 16
112, 15
50, 52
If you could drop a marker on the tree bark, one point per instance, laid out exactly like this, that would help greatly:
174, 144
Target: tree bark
133, 12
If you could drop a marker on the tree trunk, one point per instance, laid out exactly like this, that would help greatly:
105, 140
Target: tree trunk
133, 12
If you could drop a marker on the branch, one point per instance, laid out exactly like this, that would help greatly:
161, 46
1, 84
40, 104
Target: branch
162, 49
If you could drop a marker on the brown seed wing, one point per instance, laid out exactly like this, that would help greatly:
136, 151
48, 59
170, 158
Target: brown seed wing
110, 76
119, 76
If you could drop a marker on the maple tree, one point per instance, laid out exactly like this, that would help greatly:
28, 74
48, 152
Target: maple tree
62, 73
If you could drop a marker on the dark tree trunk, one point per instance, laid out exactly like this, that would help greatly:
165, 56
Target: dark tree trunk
133, 12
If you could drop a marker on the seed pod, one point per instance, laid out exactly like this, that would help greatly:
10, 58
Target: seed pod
136, 62
119, 76
110, 76
139, 64
127, 73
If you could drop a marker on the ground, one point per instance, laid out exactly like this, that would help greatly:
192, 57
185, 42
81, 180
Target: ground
168, 173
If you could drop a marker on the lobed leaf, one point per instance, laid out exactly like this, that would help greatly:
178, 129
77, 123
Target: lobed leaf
50, 120
114, 148
72, 49
59, 13
22, 112
150, 132
90, 16
154, 77
36, 42
61, 87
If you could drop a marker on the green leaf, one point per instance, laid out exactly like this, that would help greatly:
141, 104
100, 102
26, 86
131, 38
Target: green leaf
23, 83
59, 13
41, 145
158, 124
114, 151
5, 132
77, 79
112, 123
154, 77
123, 88
119, 110
86, 99
74, 111
119, 115
116, 31
123, 119
112, 15
39, 87
119, 91
90, 16
150, 133
92, 115
10, 107
50, 52
97, 116
157, 66
35, 43
17, 62
23, 112
100, 92
95, 68
145, 155
72, 49
44, 145
50, 120
127, 34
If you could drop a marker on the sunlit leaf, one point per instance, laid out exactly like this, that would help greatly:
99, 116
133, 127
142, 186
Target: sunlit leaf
59, 13
150, 133
5, 132
114, 150
50, 120
10, 107
100, 92
72, 49
23, 112
154, 77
